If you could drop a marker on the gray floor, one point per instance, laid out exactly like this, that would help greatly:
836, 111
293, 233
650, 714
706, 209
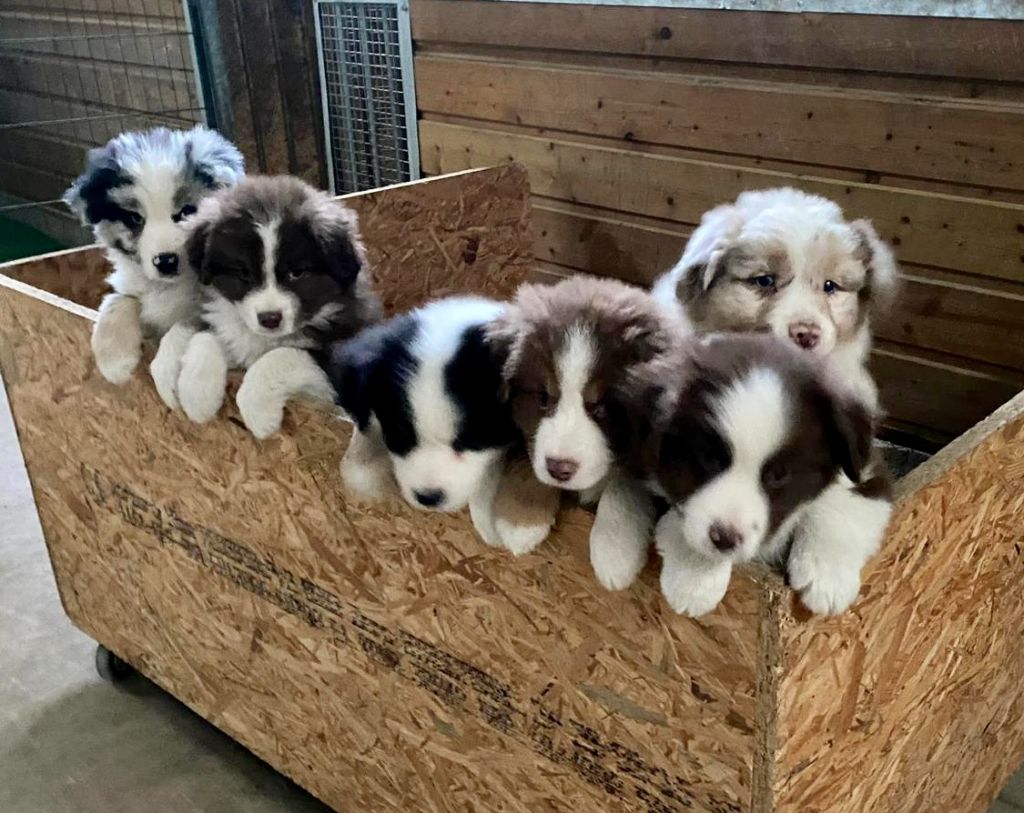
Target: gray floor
70, 743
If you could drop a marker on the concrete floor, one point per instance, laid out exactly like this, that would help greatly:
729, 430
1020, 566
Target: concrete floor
70, 743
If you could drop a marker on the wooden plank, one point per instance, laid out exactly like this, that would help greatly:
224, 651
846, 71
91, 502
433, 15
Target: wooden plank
962, 142
981, 49
938, 311
985, 238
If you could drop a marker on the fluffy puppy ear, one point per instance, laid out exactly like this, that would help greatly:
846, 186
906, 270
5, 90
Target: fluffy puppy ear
849, 432
352, 367
213, 159
198, 240
882, 281
87, 196
702, 263
336, 231
504, 338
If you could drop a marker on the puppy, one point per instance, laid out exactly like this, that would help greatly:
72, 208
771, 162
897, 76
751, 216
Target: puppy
756, 437
580, 358
425, 392
282, 270
136, 194
786, 262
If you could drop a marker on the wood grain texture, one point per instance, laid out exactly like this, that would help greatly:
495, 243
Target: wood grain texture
981, 49
878, 132
918, 688
985, 238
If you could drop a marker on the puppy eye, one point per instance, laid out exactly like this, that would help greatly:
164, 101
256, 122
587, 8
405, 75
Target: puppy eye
185, 211
830, 287
134, 219
776, 475
296, 273
597, 410
543, 399
764, 281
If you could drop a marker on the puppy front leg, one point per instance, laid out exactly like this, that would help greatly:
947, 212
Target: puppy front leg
692, 584
166, 365
834, 539
481, 505
277, 376
117, 337
204, 375
366, 467
525, 509
621, 533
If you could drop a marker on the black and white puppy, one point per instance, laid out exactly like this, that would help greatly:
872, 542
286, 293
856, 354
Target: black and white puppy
757, 436
137, 194
425, 392
282, 269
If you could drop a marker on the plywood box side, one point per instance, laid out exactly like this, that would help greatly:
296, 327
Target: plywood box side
921, 680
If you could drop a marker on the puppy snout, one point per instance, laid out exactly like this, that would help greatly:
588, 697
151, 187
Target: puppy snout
560, 468
725, 537
429, 499
271, 320
805, 334
166, 264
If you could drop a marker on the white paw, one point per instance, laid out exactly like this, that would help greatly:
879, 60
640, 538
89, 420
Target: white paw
116, 364
694, 592
520, 539
204, 372
261, 412
616, 561
201, 403
165, 369
825, 587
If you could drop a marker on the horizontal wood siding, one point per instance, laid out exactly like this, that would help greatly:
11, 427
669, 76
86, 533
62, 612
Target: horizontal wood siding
634, 121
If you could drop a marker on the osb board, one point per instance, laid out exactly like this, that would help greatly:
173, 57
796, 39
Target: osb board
913, 701
383, 658
459, 233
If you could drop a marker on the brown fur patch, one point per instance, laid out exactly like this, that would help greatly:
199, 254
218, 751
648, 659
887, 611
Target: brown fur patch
523, 500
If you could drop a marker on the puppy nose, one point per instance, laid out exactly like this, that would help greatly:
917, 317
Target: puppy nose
269, 319
429, 499
725, 537
804, 334
561, 468
166, 264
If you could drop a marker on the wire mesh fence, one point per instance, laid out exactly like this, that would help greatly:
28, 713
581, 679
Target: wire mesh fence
369, 109
74, 73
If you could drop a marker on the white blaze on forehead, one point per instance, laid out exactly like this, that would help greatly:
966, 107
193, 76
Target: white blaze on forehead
575, 363
752, 414
441, 328
268, 233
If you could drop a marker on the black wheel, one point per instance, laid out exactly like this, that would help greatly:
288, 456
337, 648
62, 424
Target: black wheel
110, 667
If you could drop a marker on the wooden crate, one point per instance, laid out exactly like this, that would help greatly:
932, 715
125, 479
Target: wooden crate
386, 659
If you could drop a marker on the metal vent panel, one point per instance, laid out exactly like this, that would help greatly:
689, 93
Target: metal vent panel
365, 50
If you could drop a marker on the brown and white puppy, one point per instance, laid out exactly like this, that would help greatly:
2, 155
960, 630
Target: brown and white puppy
759, 445
579, 355
282, 272
786, 262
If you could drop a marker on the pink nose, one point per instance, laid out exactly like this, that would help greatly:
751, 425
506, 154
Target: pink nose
805, 334
725, 537
561, 469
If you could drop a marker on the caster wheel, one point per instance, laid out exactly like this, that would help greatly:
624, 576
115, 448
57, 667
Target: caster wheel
110, 667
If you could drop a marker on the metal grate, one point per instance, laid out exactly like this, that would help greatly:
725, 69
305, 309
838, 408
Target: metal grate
365, 49
75, 73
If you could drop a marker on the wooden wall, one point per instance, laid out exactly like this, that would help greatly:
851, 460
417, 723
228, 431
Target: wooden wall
633, 121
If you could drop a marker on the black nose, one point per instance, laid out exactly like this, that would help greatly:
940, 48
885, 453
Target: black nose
429, 499
725, 537
166, 264
269, 319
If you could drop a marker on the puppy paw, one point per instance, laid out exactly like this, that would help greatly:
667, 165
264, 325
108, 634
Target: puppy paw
520, 539
694, 593
825, 587
164, 372
116, 364
261, 413
369, 482
616, 561
204, 371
